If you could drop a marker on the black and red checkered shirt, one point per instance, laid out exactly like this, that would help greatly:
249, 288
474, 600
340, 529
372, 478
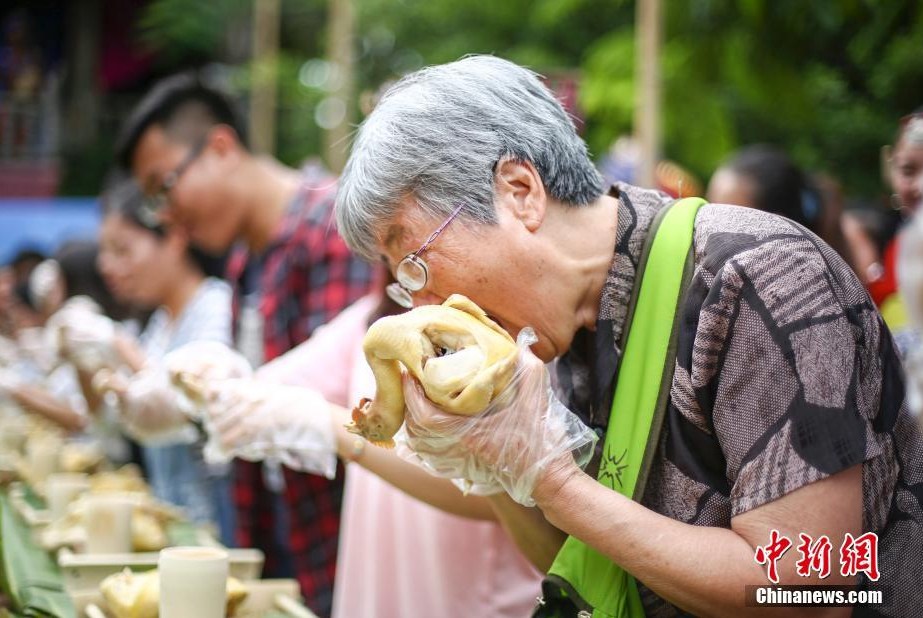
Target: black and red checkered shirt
306, 276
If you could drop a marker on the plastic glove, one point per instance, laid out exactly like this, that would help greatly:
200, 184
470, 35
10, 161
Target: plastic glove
85, 337
195, 366
35, 349
9, 382
508, 445
9, 352
45, 285
153, 411
257, 420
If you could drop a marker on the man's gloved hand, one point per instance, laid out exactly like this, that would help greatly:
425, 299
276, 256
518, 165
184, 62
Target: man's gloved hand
259, 420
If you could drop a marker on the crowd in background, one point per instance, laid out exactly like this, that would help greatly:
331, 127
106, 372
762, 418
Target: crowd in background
235, 250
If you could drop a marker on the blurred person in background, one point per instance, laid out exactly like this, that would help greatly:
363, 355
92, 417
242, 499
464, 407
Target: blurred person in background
297, 407
765, 178
23, 262
46, 381
72, 272
910, 285
16, 311
7, 297
904, 161
291, 273
867, 230
155, 267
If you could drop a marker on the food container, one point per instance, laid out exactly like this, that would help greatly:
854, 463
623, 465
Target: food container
193, 582
63, 488
85, 571
107, 523
268, 598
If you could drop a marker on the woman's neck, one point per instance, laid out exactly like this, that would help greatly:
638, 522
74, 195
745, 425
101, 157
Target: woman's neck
181, 292
589, 239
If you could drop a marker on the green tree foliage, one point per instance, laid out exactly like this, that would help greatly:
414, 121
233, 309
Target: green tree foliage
827, 80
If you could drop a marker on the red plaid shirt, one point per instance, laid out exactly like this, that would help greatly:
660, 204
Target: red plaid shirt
306, 277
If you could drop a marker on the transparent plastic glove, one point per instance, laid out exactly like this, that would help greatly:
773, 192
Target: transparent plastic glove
84, 337
9, 382
36, 350
9, 352
195, 366
45, 284
258, 420
508, 445
153, 410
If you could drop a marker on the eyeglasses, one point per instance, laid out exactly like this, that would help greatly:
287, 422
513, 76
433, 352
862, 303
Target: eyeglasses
412, 272
154, 204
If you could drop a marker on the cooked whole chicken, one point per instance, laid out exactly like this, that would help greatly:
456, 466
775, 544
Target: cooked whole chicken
461, 357
137, 595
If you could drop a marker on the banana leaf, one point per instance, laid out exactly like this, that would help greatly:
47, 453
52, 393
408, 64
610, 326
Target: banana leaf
28, 575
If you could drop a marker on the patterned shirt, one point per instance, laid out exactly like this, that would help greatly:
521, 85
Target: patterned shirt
306, 277
785, 375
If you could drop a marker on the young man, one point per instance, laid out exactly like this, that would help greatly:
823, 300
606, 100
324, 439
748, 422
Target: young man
291, 272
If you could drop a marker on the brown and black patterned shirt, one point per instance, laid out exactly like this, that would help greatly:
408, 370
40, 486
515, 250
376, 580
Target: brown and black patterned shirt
785, 375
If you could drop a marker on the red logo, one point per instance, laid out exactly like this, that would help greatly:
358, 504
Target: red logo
771, 553
857, 555
815, 556
860, 555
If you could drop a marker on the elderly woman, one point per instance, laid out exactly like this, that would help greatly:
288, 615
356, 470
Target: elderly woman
785, 414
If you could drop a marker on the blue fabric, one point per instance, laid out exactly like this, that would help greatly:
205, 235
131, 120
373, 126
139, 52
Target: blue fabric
179, 476
177, 472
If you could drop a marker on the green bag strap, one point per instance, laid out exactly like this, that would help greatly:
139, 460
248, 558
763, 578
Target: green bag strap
593, 583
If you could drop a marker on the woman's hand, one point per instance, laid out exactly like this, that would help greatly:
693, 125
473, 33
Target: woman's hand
524, 433
152, 409
86, 339
256, 420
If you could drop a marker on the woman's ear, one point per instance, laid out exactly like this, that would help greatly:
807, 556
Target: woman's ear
519, 188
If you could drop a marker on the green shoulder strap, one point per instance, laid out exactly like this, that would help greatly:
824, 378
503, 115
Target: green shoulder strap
581, 576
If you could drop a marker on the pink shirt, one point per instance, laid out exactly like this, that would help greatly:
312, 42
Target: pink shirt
399, 557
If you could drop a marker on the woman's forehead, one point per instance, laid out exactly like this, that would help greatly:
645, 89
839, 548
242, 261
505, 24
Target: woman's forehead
408, 225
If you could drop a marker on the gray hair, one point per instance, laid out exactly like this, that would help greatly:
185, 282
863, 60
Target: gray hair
913, 132
437, 135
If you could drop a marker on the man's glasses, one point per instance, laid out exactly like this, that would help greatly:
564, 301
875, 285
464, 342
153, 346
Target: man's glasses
154, 204
412, 272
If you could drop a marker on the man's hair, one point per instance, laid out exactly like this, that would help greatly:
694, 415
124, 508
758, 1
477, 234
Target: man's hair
185, 107
437, 136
